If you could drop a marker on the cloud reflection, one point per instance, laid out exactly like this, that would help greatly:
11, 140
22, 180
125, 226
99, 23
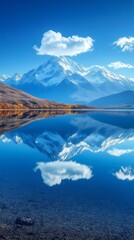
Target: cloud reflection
54, 173
125, 173
119, 152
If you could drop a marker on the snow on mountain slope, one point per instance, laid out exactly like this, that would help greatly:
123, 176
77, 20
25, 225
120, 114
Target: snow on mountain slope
62, 79
107, 81
54, 71
102, 72
4, 77
59, 79
11, 80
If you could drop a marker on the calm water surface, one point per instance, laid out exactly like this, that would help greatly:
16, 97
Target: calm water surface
72, 175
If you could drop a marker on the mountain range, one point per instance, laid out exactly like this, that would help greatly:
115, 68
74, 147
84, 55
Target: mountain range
62, 79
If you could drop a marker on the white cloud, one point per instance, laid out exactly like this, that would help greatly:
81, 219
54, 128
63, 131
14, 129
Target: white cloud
117, 65
53, 43
125, 43
125, 173
55, 172
119, 152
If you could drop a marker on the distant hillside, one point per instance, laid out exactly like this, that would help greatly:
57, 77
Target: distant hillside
11, 98
123, 99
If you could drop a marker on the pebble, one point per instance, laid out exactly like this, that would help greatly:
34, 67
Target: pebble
24, 221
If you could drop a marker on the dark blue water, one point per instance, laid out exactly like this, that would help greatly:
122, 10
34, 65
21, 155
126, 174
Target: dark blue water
73, 175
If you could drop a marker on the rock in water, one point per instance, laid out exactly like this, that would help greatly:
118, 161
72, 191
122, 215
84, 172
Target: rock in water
24, 221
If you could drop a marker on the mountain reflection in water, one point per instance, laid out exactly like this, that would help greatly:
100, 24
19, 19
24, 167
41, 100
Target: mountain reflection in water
63, 138
71, 172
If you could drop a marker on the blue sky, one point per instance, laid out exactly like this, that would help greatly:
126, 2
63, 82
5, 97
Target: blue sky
23, 23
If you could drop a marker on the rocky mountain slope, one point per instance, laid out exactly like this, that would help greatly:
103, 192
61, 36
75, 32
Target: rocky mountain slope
11, 98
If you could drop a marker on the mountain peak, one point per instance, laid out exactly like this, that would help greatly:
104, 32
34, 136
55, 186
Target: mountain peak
57, 69
96, 68
4, 77
63, 62
16, 76
66, 64
102, 72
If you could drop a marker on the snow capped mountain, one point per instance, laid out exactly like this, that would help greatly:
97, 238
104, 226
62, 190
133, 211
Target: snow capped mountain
17, 76
4, 77
54, 72
59, 79
11, 80
62, 79
107, 81
101, 74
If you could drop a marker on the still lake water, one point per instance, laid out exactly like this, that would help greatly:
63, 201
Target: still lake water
72, 175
